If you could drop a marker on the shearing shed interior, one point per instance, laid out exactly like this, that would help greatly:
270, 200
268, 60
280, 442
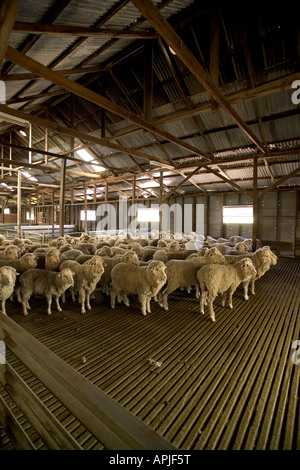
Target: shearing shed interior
150, 225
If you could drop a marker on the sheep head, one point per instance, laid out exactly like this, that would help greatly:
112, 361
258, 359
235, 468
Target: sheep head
157, 270
215, 255
247, 267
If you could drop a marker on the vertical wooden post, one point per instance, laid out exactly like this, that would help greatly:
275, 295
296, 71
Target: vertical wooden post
103, 111
52, 213
62, 196
10, 151
30, 143
19, 204
106, 192
148, 80
133, 216
160, 202
46, 145
85, 209
222, 225
30, 209
255, 205
2, 156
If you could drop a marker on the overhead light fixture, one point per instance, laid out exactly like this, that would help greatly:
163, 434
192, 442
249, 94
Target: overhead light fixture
172, 51
23, 133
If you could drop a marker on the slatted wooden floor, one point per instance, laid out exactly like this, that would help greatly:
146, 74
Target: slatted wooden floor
228, 385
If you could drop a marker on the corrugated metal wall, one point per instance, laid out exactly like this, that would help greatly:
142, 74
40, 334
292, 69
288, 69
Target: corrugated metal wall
277, 216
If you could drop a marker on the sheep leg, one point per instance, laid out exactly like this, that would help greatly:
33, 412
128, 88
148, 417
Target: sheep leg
203, 301
25, 304
81, 300
88, 297
18, 293
197, 291
230, 293
148, 304
57, 303
252, 287
125, 300
223, 298
49, 300
3, 307
210, 301
246, 285
113, 295
143, 302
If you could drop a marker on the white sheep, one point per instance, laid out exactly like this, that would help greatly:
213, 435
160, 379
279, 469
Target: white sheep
8, 277
86, 277
144, 281
27, 261
52, 259
220, 279
47, 283
183, 273
263, 259
129, 257
10, 252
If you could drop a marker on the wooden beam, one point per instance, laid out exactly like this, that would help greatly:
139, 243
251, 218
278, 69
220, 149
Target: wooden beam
13, 77
19, 204
181, 183
214, 52
255, 206
161, 25
62, 197
148, 81
77, 134
279, 182
65, 30
8, 11
35, 67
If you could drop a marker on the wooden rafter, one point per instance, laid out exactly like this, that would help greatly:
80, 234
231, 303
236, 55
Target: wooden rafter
35, 67
160, 24
8, 11
63, 30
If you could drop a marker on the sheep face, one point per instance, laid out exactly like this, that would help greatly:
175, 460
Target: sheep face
215, 255
29, 260
7, 276
66, 278
130, 258
247, 268
158, 270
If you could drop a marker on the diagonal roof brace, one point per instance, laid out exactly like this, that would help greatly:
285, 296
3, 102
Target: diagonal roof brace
163, 28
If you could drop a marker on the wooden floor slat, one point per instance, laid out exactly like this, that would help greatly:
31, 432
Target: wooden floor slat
228, 385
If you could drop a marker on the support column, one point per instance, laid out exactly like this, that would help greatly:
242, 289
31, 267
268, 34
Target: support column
19, 205
148, 80
255, 206
62, 197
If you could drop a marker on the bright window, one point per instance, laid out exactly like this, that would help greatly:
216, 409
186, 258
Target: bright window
91, 215
148, 215
238, 214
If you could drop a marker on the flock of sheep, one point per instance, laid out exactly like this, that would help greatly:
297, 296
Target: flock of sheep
124, 264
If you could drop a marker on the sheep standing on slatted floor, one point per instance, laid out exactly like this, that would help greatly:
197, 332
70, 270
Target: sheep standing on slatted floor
8, 277
220, 279
144, 281
263, 259
47, 283
183, 273
87, 276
